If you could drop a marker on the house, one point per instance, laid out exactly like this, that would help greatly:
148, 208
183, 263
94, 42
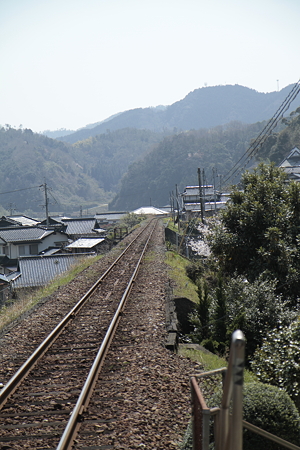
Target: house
191, 194
24, 220
291, 164
191, 204
4, 289
109, 218
8, 222
86, 245
21, 241
35, 271
76, 228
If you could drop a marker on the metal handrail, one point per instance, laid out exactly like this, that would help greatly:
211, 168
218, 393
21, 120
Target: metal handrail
270, 436
228, 428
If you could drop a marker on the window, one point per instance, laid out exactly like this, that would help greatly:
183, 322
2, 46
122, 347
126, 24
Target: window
33, 249
21, 250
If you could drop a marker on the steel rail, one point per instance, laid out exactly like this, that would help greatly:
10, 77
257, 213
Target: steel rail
75, 420
28, 365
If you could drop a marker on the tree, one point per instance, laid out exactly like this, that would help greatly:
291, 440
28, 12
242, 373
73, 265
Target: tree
200, 317
260, 230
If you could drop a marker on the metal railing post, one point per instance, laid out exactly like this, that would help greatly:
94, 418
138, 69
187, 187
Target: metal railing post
200, 417
231, 431
236, 431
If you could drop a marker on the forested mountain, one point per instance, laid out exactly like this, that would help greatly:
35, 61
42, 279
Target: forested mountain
85, 174
175, 161
203, 108
130, 167
106, 157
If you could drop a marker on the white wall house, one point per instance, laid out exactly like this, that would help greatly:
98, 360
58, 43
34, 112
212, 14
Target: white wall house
26, 241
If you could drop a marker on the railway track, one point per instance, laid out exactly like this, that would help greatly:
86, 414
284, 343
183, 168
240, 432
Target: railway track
45, 401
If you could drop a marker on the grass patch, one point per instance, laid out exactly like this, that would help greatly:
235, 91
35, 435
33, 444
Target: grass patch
30, 298
211, 361
184, 287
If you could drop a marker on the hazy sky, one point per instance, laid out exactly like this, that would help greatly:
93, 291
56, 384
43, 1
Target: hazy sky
69, 63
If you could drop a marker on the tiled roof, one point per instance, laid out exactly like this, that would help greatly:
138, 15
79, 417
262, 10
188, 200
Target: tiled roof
80, 226
40, 270
85, 243
110, 216
24, 234
24, 220
7, 222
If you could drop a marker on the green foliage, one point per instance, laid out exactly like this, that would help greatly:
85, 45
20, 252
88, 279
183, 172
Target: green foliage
254, 308
28, 159
106, 157
131, 219
269, 408
260, 230
200, 317
220, 316
175, 159
277, 361
194, 271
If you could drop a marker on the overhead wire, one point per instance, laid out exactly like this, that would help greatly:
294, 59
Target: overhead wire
253, 149
23, 189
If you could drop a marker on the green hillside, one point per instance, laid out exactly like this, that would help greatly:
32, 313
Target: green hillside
176, 159
85, 174
126, 168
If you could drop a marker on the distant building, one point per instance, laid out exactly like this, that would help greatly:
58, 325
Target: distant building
85, 245
191, 204
150, 211
291, 164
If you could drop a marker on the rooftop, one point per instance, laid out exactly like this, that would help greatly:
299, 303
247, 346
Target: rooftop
24, 234
40, 270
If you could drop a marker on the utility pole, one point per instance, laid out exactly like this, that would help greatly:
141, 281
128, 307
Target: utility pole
215, 190
46, 203
11, 208
178, 220
201, 195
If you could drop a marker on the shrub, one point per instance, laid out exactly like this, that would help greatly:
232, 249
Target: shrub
254, 308
269, 408
277, 361
194, 271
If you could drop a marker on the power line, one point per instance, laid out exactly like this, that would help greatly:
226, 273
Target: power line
263, 135
18, 190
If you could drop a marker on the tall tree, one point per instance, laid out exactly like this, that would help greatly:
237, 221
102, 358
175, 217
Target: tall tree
260, 232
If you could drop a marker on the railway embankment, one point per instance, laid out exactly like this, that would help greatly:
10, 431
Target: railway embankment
146, 396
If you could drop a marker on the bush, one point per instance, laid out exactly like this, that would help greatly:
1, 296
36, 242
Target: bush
254, 308
194, 271
277, 361
269, 408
